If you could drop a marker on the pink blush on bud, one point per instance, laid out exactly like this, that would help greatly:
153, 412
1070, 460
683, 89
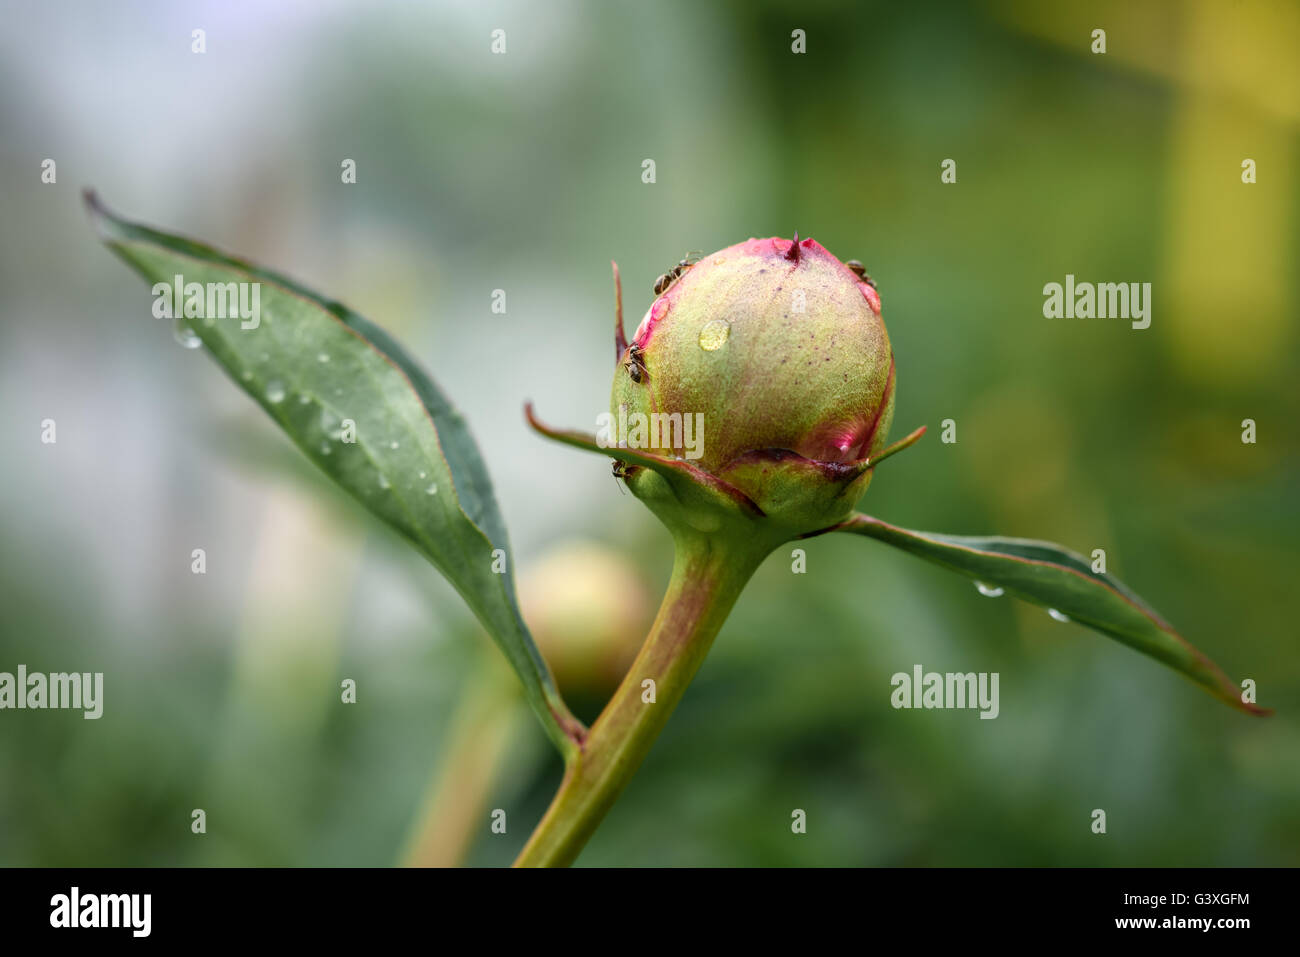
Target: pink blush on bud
658, 309
838, 444
872, 297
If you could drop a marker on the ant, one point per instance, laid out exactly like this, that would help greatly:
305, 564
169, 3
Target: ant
635, 363
860, 271
623, 471
671, 276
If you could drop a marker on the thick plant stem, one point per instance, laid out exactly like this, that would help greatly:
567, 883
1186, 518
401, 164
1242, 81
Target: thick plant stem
708, 576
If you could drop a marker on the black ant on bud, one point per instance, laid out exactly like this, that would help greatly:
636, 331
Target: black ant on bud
860, 271
663, 283
623, 471
635, 363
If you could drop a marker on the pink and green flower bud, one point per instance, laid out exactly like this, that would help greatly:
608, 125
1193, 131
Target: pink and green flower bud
757, 393
776, 352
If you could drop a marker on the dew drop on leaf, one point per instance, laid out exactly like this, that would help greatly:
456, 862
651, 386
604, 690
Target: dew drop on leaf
323, 357
185, 335
989, 591
383, 480
1058, 615
432, 489
274, 392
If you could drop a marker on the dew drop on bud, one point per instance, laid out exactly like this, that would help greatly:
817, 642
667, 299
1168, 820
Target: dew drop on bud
1058, 615
989, 591
714, 334
274, 392
185, 335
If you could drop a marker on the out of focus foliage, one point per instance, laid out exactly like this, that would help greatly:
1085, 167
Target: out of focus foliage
522, 172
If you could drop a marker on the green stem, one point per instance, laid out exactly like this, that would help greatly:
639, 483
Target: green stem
485, 726
708, 575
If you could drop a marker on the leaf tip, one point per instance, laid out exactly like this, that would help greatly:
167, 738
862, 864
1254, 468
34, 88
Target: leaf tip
620, 338
1256, 710
95, 208
105, 222
531, 417
550, 432
906, 442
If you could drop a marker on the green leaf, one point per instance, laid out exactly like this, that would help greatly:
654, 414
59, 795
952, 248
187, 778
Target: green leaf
1055, 577
316, 367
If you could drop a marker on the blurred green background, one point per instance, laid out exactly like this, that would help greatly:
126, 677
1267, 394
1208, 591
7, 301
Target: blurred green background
523, 172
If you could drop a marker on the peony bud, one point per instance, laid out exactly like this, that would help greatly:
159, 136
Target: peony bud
776, 352
760, 385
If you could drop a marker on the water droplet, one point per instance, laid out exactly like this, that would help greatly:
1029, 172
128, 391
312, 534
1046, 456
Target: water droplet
323, 357
248, 375
1058, 615
431, 490
394, 445
422, 475
325, 448
185, 335
714, 334
274, 392
383, 480
989, 591
304, 399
